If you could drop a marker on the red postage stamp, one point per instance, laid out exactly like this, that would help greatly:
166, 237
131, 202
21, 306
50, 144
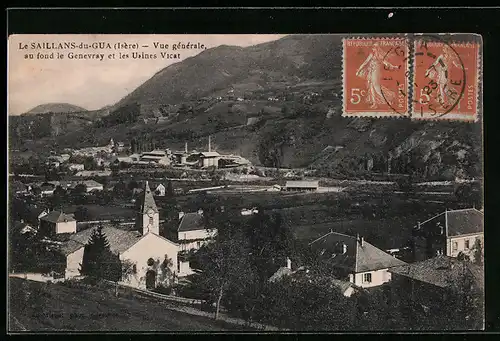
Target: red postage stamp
445, 83
375, 77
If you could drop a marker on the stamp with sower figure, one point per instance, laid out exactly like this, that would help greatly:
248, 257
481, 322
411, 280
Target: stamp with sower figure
416, 76
445, 84
375, 77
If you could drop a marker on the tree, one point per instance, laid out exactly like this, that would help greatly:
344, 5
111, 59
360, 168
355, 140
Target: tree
98, 261
478, 252
82, 213
225, 263
80, 189
132, 185
270, 242
169, 190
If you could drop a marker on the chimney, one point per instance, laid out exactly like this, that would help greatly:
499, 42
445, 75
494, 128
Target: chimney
181, 214
361, 240
186, 147
209, 144
288, 263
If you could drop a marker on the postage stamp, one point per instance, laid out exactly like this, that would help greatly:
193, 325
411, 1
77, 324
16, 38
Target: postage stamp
375, 77
445, 83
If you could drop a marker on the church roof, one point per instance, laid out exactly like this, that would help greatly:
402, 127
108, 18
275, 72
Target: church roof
119, 240
147, 200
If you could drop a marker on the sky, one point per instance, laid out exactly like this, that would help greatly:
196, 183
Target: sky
93, 84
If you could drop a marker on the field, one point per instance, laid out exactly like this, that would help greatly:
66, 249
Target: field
97, 212
59, 308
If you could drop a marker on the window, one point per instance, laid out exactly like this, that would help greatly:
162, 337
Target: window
454, 246
367, 278
198, 244
467, 244
151, 220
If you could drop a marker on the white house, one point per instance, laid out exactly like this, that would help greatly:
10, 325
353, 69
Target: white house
93, 185
57, 222
192, 233
251, 211
143, 249
160, 190
353, 259
76, 166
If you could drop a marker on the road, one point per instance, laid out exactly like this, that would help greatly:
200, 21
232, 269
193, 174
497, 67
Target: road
75, 309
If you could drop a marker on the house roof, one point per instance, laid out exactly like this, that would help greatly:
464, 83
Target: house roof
57, 217
359, 257
191, 222
119, 240
92, 183
209, 154
305, 184
147, 200
342, 285
466, 221
440, 271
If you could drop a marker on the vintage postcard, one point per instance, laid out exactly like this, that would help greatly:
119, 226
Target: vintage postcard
254, 182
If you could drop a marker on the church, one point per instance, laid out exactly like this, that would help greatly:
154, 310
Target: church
150, 259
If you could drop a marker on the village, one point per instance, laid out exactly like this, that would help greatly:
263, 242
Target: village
161, 234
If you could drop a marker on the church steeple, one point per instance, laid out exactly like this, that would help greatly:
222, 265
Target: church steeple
148, 218
148, 201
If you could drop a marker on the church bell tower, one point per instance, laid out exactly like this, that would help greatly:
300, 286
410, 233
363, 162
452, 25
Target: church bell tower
148, 217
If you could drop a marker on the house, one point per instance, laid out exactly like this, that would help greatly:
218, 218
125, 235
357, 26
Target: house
57, 222
450, 233
93, 185
34, 214
156, 156
88, 174
308, 186
184, 268
251, 211
353, 259
306, 276
209, 159
23, 227
192, 233
143, 248
160, 190
432, 282
76, 166
125, 159
47, 189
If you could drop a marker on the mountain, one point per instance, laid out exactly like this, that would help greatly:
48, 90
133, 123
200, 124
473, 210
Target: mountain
54, 108
278, 102
275, 64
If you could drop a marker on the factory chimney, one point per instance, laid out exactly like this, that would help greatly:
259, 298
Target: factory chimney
186, 147
209, 146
